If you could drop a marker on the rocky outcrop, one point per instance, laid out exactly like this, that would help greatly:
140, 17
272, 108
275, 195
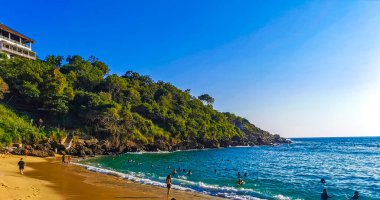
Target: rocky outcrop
90, 146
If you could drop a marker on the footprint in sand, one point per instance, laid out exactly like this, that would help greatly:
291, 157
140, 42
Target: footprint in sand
3, 185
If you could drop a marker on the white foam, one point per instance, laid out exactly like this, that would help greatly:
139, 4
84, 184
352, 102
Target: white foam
282, 197
224, 191
135, 177
237, 197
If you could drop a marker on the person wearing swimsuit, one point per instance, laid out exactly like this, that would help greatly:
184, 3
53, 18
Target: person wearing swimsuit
168, 185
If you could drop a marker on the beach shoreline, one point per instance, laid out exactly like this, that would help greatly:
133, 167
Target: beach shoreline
47, 178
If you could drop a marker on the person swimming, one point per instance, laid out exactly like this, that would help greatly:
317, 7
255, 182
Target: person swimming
245, 174
183, 170
325, 196
239, 175
189, 173
174, 171
323, 180
215, 170
356, 196
240, 182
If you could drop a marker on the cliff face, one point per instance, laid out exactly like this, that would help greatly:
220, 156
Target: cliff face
112, 113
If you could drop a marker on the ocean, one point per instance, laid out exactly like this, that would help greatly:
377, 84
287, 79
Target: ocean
286, 171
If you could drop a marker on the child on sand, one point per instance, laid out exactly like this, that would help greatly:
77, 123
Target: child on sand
21, 165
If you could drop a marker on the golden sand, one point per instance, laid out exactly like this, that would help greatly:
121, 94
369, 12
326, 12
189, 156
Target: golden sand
49, 179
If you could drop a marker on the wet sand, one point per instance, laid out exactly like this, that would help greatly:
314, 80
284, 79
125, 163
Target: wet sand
62, 181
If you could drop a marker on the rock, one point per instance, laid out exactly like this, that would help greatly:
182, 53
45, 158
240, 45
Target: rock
41, 153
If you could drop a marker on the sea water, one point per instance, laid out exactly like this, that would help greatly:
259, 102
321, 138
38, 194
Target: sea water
289, 171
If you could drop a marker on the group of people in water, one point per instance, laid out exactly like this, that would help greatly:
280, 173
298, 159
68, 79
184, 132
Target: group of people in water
325, 196
240, 180
189, 173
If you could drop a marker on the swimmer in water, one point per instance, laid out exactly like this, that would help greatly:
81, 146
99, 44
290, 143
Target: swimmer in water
323, 181
240, 182
174, 171
245, 174
189, 173
325, 196
239, 175
356, 196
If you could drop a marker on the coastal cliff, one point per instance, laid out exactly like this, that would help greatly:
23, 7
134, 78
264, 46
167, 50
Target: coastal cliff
106, 114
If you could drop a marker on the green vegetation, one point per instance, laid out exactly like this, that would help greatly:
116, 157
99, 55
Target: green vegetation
14, 128
79, 95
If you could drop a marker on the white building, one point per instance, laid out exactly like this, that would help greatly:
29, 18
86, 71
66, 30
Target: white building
13, 43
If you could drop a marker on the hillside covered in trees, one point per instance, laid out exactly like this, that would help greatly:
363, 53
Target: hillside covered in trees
109, 113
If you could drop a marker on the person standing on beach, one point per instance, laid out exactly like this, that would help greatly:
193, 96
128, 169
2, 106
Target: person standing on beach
168, 185
21, 165
69, 159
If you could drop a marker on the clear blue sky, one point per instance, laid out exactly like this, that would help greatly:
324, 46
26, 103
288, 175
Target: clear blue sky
297, 68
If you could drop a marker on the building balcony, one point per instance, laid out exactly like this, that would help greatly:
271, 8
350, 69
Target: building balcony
15, 41
12, 50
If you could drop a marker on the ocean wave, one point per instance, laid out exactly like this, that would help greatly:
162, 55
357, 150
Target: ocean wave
237, 197
215, 190
281, 197
241, 146
132, 177
150, 152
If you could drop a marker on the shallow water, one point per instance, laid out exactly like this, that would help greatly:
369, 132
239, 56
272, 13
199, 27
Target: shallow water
282, 172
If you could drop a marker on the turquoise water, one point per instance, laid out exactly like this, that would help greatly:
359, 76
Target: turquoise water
281, 172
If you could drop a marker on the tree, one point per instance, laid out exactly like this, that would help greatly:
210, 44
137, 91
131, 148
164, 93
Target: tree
53, 60
116, 86
80, 95
206, 98
56, 92
88, 77
4, 88
3, 56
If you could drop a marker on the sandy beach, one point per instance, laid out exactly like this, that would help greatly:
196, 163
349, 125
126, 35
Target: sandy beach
49, 179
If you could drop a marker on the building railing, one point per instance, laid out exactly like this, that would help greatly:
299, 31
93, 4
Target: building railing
15, 41
11, 50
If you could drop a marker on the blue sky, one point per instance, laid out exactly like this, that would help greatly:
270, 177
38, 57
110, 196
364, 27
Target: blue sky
296, 68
